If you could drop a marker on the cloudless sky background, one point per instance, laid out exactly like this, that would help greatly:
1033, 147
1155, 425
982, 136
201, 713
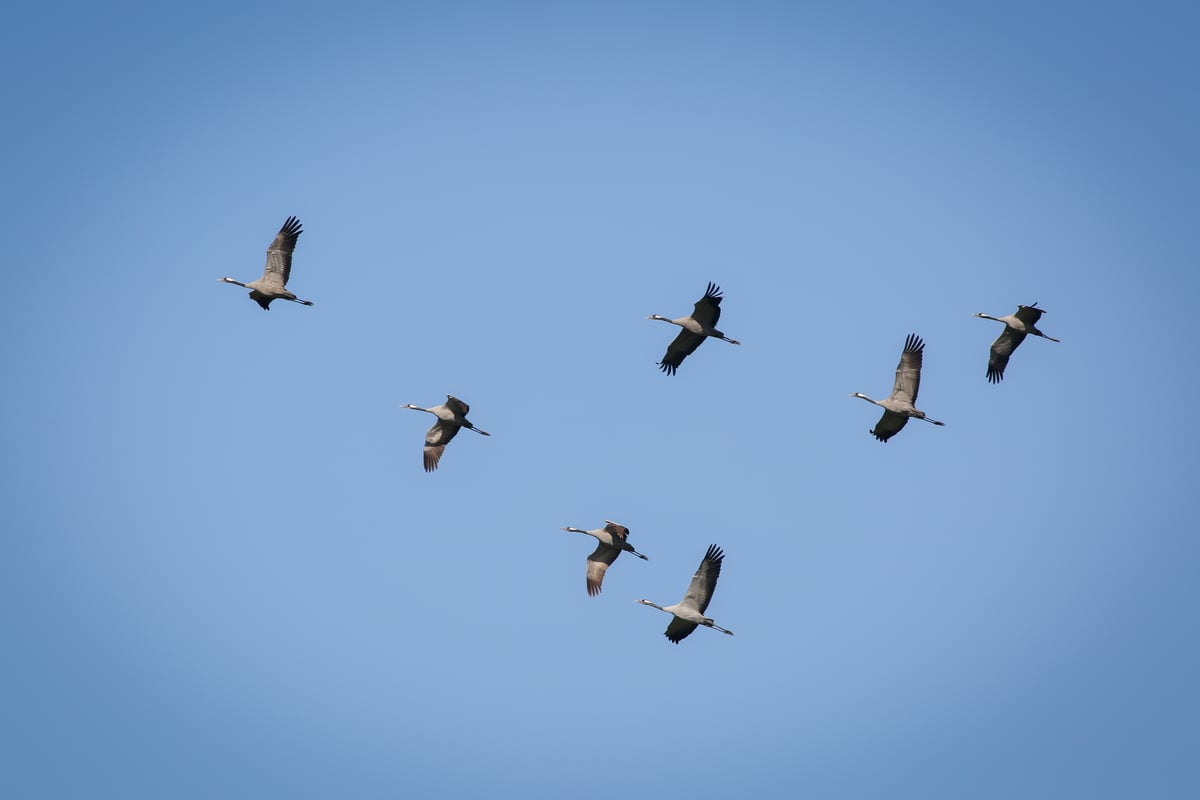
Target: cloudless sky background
225, 573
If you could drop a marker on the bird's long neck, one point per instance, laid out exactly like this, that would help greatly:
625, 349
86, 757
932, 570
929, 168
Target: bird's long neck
652, 605
575, 530
864, 397
231, 280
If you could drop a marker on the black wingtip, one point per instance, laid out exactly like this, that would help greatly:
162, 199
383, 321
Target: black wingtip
913, 344
291, 227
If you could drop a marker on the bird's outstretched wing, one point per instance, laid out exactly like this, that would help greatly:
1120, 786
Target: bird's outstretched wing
889, 425
279, 254
704, 582
1008, 341
708, 308
615, 530
683, 346
436, 439
597, 564
679, 629
908, 371
432, 456
1029, 314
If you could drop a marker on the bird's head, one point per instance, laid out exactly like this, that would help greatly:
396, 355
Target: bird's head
658, 316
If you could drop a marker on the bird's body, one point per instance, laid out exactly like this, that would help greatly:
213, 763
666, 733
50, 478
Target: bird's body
451, 415
613, 542
688, 613
273, 283
1016, 327
899, 407
701, 325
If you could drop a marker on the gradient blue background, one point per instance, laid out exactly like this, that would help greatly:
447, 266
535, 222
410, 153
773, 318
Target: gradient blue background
225, 574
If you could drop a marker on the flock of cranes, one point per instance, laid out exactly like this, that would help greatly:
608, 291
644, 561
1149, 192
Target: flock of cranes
688, 613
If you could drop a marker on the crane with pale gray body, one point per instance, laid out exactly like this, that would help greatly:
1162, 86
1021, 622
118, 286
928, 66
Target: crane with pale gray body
451, 415
613, 542
1016, 327
688, 613
899, 407
696, 328
273, 283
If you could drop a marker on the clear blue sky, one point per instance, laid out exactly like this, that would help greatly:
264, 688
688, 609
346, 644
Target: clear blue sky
225, 573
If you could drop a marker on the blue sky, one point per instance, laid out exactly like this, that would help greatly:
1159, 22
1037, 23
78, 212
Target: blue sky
226, 573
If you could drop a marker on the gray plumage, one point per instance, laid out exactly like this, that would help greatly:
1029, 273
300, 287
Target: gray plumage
1016, 327
613, 542
451, 415
273, 283
699, 326
688, 613
900, 406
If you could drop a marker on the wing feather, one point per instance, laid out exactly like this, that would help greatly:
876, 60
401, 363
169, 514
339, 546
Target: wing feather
279, 254
704, 582
889, 425
707, 310
1028, 314
457, 406
1008, 341
908, 371
432, 456
436, 439
680, 348
616, 531
597, 564
679, 629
